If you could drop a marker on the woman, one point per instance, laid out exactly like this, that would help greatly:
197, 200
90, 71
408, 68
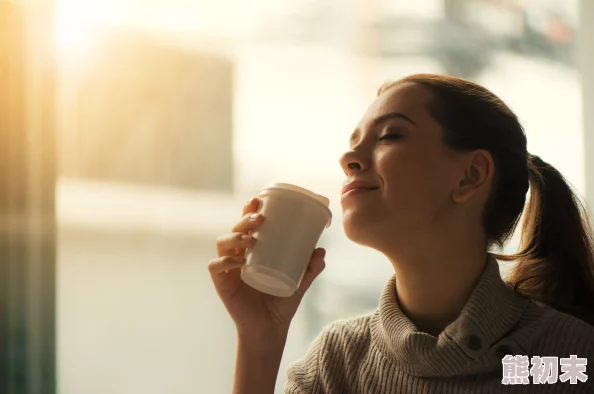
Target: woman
449, 165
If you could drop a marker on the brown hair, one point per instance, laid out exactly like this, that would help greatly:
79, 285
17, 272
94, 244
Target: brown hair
555, 264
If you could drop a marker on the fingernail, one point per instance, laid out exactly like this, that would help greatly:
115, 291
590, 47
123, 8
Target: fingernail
246, 237
249, 201
254, 216
238, 259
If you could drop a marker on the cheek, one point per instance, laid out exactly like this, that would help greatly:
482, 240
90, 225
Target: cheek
414, 183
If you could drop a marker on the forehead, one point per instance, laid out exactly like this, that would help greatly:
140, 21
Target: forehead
408, 98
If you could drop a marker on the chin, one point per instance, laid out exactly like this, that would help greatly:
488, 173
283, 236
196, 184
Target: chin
371, 230
359, 228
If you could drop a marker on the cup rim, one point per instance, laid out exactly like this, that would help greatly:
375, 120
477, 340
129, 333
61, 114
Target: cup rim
324, 201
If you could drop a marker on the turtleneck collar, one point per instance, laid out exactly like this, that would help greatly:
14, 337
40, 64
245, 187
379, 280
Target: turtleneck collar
465, 345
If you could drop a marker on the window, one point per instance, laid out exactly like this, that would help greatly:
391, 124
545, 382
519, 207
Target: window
172, 114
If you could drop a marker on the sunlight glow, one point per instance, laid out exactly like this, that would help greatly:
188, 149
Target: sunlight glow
74, 34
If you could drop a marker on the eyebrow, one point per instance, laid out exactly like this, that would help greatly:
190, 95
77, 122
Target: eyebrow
381, 119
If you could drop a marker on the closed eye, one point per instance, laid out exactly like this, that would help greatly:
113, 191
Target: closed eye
390, 137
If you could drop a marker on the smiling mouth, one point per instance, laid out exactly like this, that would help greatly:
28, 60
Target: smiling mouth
358, 191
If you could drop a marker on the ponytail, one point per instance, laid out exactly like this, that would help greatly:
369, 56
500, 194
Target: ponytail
555, 264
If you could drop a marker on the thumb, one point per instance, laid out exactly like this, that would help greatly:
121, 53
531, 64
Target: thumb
315, 268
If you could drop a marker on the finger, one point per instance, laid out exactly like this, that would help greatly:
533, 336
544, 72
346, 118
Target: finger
220, 266
229, 244
315, 268
251, 206
247, 224
249, 221
226, 275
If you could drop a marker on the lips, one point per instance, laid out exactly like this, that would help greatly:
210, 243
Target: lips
358, 185
355, 192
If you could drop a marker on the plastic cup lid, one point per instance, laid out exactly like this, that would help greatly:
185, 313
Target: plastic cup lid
288, 186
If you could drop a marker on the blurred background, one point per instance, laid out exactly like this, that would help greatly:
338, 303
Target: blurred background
169, 115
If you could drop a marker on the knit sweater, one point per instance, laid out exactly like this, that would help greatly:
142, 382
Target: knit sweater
385, 353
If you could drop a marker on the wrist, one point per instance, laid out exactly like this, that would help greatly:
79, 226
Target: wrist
273, 339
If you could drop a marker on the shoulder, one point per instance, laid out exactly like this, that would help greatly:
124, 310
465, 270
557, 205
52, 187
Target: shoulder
562, 334
342, 337
346, 334
337, 348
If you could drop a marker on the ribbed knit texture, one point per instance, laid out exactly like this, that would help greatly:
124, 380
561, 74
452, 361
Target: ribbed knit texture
385, 353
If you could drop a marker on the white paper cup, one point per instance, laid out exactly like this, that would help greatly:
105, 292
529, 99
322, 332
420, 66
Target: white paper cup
294, 221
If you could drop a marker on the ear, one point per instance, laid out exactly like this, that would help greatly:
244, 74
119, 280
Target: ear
478, 170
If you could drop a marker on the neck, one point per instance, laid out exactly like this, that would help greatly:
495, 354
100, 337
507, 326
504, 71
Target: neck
433, 283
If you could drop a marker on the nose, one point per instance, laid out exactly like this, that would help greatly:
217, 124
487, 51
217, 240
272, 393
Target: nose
351, 162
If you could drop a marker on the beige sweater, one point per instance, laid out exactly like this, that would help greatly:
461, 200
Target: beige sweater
385, 353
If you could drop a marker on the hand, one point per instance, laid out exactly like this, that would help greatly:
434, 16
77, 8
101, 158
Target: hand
255, 314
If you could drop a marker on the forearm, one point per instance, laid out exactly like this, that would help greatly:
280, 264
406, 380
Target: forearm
257, 364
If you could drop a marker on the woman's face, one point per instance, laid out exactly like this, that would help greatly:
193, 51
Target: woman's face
397, 146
